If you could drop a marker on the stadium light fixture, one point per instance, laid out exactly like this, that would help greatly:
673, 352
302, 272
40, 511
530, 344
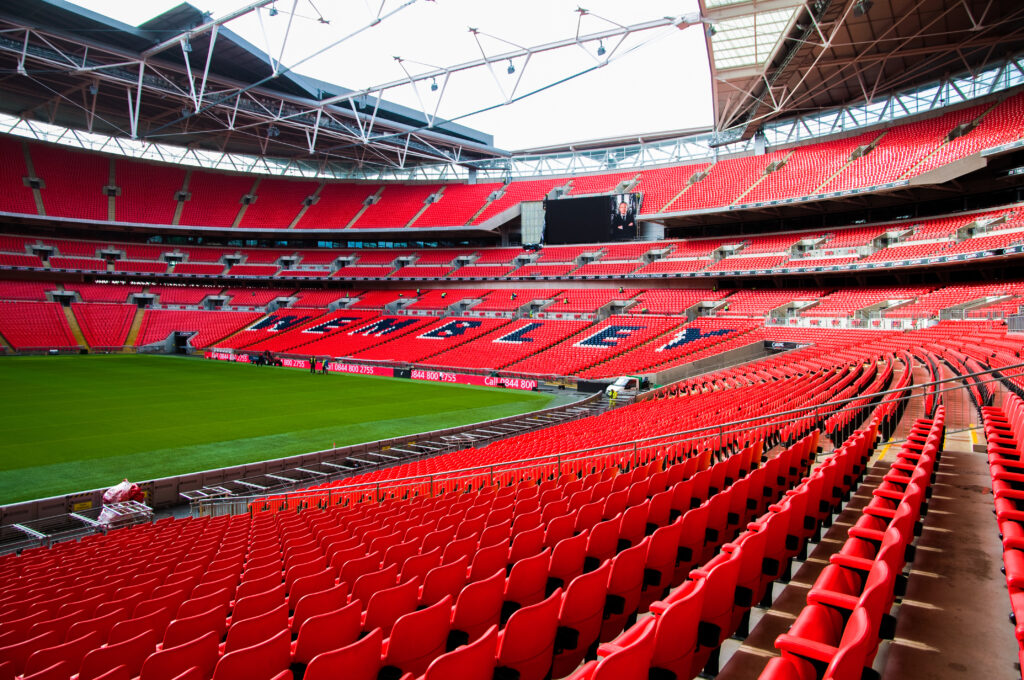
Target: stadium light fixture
186, 45
272, 131
511, 67
862, 8
600, 49
273, 11
433, 85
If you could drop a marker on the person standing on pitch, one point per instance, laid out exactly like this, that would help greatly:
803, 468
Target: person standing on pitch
312, 364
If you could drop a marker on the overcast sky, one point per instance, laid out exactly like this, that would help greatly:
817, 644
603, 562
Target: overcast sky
661, 81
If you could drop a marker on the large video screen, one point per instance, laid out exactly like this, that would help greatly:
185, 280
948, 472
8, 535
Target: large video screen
591, 219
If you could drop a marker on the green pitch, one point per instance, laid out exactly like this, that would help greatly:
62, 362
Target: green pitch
74, 423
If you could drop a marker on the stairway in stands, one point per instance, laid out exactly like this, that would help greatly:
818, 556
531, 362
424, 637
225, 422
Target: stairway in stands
76, 330
133, 331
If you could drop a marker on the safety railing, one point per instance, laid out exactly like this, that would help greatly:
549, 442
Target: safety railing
960, 415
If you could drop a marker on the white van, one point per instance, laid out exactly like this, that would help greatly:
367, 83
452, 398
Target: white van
621, 384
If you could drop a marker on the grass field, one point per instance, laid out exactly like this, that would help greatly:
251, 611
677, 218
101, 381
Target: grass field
82, 422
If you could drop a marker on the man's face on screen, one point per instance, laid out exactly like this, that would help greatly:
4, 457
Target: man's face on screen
623, 208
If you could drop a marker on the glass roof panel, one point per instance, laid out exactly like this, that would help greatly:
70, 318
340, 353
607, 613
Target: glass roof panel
748, 40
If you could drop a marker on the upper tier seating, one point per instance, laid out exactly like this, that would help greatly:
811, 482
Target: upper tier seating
457, 206
807, 169
599, 184
15, 197
337, 206
278, 203
147, 191
215, 198
398, 204
515, 193
661, 186
73, 181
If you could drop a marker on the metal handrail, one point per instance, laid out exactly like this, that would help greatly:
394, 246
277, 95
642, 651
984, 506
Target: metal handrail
633, 447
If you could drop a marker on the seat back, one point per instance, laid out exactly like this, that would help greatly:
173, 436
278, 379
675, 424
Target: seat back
368, 584
854, 648
254, 605
167, 664
70, 653
262, 661
319, 603
419, 637
478, 606
631, 662
677, 628
474, 661
213, 620
248, 632
528, 579
131, 654
314, 582
580, 616
528, 641
386, 606
330, 630
447, 579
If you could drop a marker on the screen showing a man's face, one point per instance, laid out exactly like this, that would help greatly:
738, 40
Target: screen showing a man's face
591, 219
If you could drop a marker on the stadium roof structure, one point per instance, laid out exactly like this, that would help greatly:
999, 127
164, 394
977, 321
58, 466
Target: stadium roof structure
185, 79
776, 58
